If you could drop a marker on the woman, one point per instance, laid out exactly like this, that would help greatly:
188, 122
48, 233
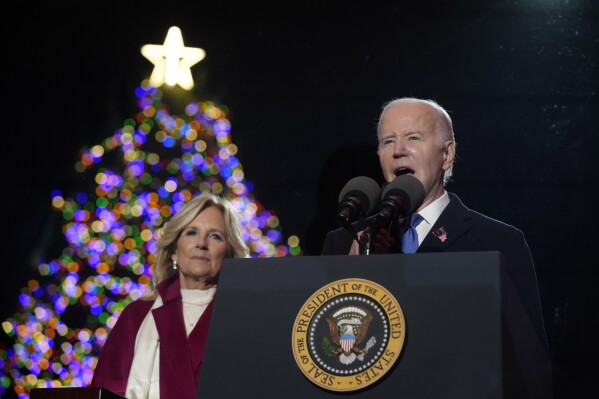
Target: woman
156, 347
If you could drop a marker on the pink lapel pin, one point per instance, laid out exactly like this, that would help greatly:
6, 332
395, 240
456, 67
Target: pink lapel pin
440, 233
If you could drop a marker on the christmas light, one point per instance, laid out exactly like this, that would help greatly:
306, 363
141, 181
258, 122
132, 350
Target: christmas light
172, 60
135, 180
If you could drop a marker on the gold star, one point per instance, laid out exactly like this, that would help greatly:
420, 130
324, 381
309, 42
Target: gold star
172, 60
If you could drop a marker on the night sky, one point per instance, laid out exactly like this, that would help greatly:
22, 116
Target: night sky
304, 86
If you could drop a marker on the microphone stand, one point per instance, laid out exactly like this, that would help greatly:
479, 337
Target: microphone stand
367, 244
375, 223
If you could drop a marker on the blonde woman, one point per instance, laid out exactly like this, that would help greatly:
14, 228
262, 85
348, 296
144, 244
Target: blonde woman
155, 349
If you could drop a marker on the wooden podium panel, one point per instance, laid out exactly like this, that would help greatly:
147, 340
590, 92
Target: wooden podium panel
73, 393
467, 333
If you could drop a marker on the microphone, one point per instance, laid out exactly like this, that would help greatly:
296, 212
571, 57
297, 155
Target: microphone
400, 198
357, 198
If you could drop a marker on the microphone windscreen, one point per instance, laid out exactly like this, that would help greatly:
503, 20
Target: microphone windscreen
364, 188
409, 189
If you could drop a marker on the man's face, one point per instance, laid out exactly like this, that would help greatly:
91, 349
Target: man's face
408, 144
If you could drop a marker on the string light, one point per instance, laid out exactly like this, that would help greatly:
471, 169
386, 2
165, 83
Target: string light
139, 176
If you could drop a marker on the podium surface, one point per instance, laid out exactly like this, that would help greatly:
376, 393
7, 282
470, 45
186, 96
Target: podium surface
466, 332
73, 393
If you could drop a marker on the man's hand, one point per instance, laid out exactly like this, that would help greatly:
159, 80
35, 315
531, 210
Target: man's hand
381, 244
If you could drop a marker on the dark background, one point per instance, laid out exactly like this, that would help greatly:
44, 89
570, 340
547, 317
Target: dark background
305, 84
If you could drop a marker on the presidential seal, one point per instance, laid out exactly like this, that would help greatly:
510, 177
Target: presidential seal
348, 335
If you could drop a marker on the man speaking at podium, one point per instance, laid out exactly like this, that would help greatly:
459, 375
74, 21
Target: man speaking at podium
416, 138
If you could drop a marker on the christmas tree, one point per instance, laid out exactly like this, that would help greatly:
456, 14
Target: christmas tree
133, 182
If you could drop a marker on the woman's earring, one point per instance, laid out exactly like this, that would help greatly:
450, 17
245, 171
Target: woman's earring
175, 265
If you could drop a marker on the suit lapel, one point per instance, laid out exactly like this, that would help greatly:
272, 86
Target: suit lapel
451, 224
197, 338
175, 362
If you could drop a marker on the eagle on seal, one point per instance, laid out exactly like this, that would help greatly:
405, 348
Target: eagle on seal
348, 327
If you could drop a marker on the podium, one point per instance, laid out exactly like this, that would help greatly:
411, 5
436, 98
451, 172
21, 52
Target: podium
73, 393
466, 332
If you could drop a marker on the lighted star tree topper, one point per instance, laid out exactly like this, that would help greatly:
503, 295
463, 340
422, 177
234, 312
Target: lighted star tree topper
172, 60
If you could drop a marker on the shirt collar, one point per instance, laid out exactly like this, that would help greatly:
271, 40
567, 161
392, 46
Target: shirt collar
432, 211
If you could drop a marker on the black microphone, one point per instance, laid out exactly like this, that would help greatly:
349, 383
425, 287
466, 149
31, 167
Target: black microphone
357, 198
400, 198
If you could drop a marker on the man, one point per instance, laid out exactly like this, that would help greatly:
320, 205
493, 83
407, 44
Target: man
416, 137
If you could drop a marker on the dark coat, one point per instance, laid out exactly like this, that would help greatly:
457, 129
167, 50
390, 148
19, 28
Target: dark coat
180, 356
459, 229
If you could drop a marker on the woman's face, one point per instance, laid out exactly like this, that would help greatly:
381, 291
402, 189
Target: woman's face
201, 248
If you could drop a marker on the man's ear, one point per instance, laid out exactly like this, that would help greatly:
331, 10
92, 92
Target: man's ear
448, 154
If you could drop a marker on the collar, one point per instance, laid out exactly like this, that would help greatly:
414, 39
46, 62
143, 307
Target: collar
197, 297
432, 211
170, 288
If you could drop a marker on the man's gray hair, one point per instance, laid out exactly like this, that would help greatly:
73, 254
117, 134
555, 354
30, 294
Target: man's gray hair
443, 123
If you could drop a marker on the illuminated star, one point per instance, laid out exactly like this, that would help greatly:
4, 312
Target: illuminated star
172, 60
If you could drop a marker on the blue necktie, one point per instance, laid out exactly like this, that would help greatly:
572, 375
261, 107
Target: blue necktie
409, 240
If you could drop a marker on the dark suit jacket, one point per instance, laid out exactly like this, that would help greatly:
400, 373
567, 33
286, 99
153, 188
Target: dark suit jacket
180, 356
460, 229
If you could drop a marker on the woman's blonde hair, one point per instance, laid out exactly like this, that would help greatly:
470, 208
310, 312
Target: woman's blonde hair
167, 242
